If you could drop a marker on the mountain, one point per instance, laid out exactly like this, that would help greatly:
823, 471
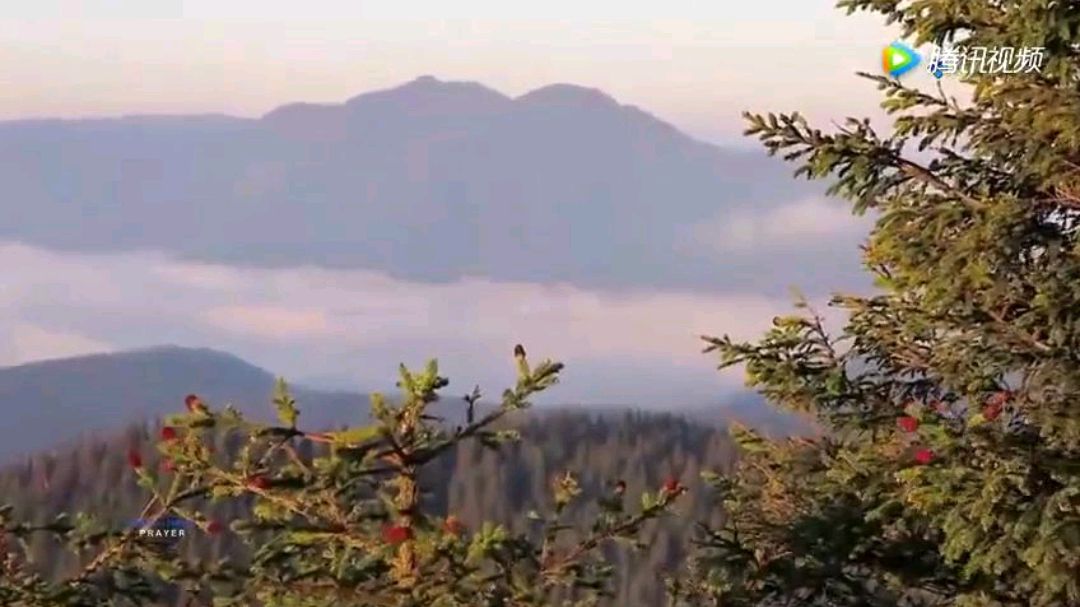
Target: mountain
428, 181
55, 401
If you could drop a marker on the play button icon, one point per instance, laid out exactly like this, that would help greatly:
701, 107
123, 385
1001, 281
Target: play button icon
898, 59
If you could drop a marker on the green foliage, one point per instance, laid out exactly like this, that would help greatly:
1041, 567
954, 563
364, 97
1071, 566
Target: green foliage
950, 469
285, 404
335, 517
469, 486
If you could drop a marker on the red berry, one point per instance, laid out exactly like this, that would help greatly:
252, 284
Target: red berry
168, 433
258, 482
167, 465
908, 423
924, 456
194, 404
671, 485
134, 459
213, 527
995, 404
397, 534
453, 525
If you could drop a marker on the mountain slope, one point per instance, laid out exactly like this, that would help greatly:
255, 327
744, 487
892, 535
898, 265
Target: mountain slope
54, 401
428, 181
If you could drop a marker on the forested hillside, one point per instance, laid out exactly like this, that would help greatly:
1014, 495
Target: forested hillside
472, 483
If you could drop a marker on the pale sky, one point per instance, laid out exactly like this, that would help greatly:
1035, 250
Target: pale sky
695, 64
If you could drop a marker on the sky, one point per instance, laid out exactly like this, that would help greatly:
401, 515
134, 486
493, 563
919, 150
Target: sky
697, 65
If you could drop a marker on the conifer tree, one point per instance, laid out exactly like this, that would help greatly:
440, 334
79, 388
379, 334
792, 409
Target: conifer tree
948, 472
338, 517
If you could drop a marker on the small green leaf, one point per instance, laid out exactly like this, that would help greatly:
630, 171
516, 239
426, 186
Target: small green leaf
285, 404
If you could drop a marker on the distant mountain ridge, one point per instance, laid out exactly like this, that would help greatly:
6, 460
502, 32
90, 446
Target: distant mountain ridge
428, 181
53, 401
50, 403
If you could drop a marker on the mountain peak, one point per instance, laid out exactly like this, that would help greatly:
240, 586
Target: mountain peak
425, 80
569, 95
422, 96
427, 93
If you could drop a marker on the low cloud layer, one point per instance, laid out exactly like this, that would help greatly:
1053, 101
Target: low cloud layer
795, 234
352, 327
800, 224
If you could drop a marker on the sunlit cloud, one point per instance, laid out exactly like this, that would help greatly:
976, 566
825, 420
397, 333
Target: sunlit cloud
354, 326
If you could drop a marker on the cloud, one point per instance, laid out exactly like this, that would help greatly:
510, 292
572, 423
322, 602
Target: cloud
354, 326
804, 223
366, 309
273, 322
200, 277
25, 342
